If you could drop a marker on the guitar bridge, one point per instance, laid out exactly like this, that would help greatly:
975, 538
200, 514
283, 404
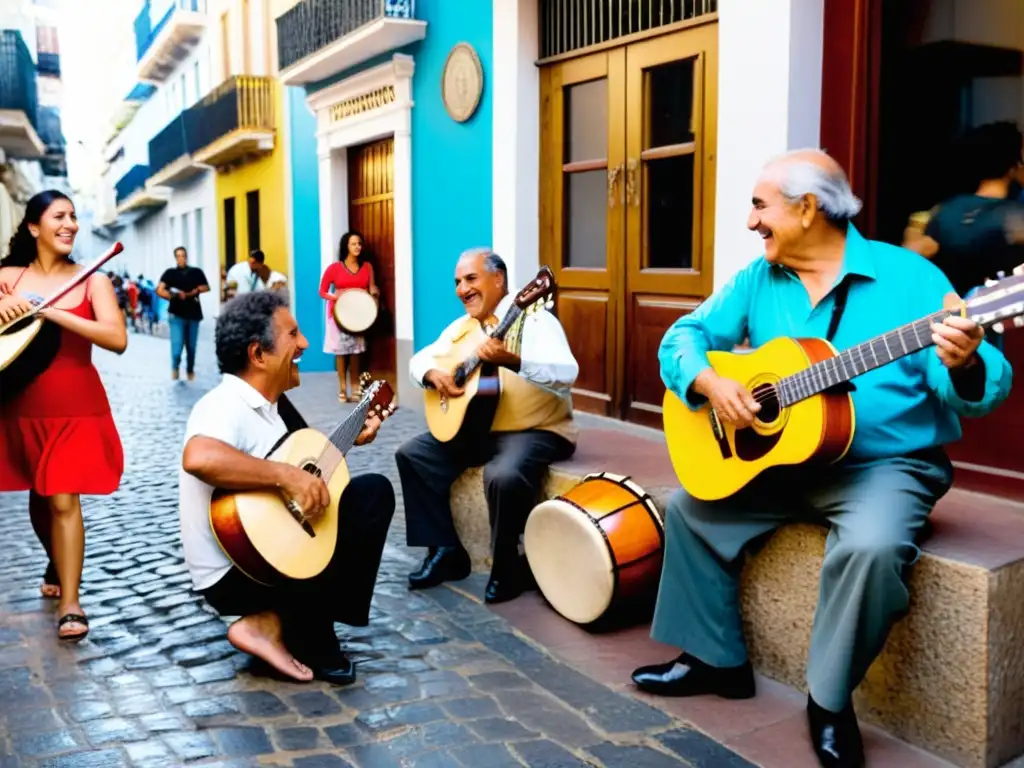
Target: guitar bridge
718, 430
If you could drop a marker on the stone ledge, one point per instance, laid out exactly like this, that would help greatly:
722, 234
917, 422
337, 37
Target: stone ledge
951, 677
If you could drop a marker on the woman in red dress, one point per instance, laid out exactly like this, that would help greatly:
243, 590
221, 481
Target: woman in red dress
351, 270
57, 436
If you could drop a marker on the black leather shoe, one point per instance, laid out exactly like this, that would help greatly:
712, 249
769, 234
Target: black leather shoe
337, 669
503, 590
835, 736
440, 565
689, 676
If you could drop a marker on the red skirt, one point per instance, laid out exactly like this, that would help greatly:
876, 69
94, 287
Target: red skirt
51, 455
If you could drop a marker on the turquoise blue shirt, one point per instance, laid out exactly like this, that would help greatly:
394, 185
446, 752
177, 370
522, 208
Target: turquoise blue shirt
904, 406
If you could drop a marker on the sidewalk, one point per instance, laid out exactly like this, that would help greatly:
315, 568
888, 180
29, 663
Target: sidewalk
443, 681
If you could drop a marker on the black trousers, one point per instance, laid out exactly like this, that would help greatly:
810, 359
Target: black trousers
515, 466
342, 592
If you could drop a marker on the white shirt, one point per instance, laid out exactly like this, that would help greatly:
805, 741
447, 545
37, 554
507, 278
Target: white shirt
545, 357
242, 276
234, 413
274, 279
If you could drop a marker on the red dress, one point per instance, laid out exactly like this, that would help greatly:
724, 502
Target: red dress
58, 436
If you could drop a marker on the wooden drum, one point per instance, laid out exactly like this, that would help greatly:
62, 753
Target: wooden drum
597, 549
355, 310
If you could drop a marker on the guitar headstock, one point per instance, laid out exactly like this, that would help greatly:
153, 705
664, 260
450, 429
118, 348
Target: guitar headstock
537, 290
998, 301
378, 397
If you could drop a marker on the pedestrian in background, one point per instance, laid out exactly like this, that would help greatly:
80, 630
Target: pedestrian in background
351, 270
181, 287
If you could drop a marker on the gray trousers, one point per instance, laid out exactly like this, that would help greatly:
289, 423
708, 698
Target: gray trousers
875, 509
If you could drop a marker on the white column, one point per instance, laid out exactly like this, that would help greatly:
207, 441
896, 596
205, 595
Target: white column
333, 203
516, 130
403, 235
756, 122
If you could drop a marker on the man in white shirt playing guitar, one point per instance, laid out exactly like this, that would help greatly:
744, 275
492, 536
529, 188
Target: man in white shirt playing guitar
291, 625
531, 427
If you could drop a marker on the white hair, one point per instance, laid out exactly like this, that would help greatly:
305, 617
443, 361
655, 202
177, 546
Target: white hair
492, 261
830, 188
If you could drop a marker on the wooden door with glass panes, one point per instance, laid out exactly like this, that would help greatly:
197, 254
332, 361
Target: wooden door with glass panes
627, 207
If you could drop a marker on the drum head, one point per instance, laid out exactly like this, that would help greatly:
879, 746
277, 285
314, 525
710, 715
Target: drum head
355, 310
570, 560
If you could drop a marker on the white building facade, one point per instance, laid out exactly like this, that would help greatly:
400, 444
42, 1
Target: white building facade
144, 203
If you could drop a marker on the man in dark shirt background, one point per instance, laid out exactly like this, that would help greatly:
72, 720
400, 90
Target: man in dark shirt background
972, 237
181, 287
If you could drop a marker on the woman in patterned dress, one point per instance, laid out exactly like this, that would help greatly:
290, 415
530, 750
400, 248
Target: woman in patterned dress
351, 270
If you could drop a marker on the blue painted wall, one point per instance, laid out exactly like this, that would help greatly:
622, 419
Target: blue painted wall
451, 177
310, 310
451, 164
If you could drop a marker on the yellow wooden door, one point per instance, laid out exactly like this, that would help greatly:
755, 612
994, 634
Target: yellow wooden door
628, 138
582, 219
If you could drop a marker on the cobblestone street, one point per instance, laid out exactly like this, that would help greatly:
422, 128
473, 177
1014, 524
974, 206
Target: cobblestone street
442, 680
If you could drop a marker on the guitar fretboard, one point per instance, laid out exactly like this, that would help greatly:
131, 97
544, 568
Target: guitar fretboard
858, 360
344, 435
470, 363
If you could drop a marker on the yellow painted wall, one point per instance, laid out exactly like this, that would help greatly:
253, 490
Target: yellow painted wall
266, 174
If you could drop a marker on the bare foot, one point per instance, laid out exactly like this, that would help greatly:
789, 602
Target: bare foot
260, 635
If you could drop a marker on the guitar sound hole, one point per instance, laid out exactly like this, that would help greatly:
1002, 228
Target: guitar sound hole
312, 468
767, 396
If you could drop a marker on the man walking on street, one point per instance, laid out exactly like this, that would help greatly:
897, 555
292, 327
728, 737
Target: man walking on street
181, 287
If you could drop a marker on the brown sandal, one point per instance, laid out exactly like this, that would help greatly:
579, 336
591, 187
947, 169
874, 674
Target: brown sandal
73, 618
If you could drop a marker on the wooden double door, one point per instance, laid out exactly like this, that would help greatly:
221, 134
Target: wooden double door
371, 212
628, 141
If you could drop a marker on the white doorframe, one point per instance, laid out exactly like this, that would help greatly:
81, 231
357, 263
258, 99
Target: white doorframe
339, 129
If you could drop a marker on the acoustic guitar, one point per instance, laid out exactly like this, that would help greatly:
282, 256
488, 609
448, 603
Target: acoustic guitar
264, 533
28, 344
806, 411
446, 416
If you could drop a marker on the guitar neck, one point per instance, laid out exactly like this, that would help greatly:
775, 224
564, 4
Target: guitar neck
471, 363
344, 435
860, 359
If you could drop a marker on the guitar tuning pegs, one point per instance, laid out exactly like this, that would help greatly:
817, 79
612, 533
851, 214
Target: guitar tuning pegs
1018, 321
1019, 269
999, 327
989, 282
1001, 274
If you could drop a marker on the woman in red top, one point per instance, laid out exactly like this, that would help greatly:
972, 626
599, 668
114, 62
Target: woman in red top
349, 271
57, 436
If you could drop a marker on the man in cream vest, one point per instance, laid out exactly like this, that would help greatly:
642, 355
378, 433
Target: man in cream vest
532, 427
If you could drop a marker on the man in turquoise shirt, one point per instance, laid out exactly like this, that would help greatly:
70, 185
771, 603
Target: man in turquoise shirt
876, 499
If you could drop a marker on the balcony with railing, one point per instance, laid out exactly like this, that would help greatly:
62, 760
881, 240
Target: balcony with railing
162, 44
232, 123
19, 99
131, 193
319, 38
48, 63
170, 158
51, 132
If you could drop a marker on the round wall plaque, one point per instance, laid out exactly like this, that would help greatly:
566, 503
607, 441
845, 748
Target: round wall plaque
462, 82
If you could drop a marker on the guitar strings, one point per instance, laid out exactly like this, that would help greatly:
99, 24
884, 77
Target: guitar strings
806, 376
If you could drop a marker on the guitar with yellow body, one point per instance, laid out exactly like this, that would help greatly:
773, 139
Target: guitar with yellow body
807, 413
446, 416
